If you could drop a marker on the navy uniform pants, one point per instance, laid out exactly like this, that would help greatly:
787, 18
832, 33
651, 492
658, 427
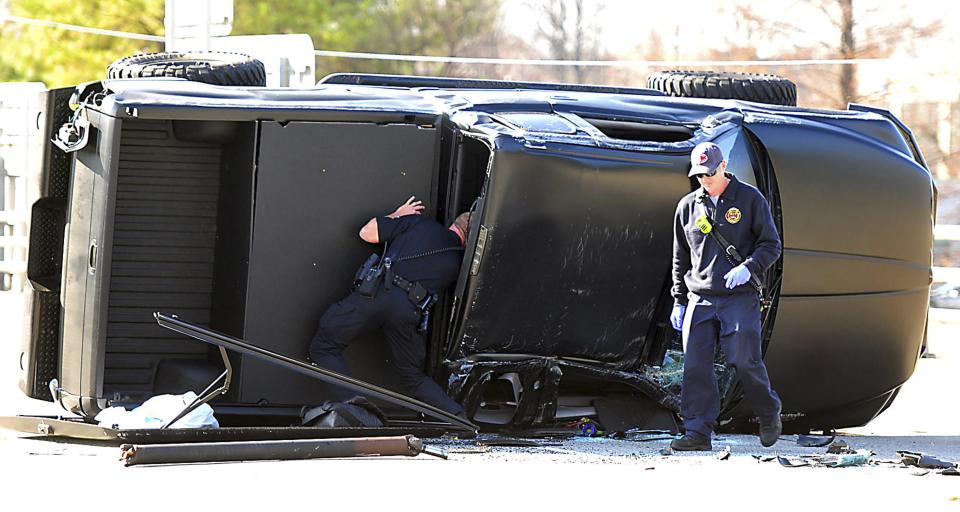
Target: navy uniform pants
393, 313
734, 322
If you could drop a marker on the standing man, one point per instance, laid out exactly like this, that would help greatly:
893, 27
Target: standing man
716, 296
422, 258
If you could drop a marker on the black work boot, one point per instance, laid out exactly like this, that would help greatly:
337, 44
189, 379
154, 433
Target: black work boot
770, 430
692, 442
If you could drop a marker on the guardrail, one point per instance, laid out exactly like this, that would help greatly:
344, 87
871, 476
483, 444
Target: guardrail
19, 106
13, 249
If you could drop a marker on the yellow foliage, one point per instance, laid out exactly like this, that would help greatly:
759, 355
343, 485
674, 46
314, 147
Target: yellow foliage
59, 57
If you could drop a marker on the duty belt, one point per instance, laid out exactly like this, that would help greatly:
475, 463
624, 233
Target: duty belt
420, 297
415, 291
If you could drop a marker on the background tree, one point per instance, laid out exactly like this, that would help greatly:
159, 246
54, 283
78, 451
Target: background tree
851, 31
409, 27
432, 27
60, 57
569, 29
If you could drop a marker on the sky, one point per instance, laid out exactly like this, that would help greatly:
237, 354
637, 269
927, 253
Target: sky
701, 23
691, 26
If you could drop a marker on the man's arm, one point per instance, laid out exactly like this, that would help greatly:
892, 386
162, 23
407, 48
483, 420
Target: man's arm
768, 246
370, 232
681, 259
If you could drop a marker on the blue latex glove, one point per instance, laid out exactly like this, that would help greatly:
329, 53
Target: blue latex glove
738, 276
676, 316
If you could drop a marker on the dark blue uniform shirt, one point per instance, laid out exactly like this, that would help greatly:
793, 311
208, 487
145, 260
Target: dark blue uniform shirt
415, 234
742, 215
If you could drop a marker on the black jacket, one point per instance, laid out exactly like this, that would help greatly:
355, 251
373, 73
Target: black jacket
411, 235
742, 216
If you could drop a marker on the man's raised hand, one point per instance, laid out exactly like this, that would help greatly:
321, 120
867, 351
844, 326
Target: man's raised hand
411, 207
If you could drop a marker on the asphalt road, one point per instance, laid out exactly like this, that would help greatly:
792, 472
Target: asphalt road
574, 473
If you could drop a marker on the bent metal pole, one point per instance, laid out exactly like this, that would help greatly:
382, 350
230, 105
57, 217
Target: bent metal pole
299, 449
222, 340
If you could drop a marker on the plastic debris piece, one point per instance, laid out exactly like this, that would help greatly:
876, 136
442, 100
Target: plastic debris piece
814, 441
950, 472
931, 462
844, 460
920, 472
792, 462
157, 411
885, 461
723, 454
666, 451
589, 428
924, 461
909, 458
764, 458
436, 451
838, 447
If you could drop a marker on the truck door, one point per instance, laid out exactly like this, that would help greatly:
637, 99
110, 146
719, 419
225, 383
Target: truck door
573, 252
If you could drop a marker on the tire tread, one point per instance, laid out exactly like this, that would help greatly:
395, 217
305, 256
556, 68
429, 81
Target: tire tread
760, 88
216, 68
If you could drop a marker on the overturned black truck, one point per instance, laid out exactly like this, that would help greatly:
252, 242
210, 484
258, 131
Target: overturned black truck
236, 208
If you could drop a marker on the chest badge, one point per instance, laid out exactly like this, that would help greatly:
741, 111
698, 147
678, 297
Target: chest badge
733, 215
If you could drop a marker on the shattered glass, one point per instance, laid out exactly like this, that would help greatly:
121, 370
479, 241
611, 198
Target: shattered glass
670, 373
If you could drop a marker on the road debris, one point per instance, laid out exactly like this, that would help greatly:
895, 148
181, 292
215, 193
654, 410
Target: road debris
723, 454
843, 460
510, 442
839, 447
642, 435
792, 462
814, 441
921, 460
589, 428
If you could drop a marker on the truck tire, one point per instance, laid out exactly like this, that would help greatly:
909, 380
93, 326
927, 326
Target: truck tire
771, 89
217, 68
